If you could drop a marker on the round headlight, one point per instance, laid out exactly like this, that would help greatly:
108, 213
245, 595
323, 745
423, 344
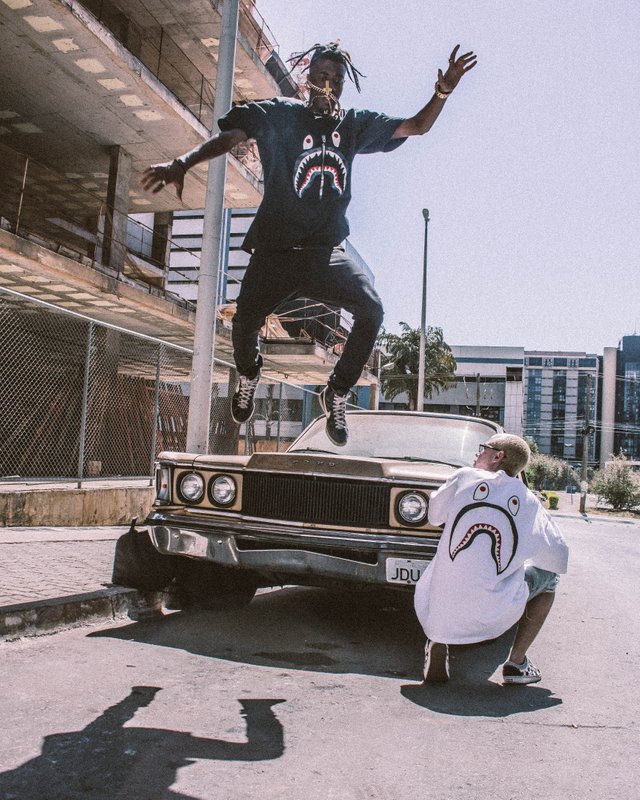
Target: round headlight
191, 487
412, 508
223, 490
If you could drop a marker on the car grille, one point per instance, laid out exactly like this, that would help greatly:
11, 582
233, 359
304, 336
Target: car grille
323, 501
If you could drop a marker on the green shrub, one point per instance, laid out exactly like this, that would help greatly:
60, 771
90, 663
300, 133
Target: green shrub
549, 472
553, 501
617, 484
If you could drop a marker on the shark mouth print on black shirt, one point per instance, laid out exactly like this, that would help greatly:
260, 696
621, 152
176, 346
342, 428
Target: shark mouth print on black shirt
323, 164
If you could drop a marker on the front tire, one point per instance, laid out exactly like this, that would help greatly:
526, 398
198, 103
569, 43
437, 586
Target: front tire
138, 565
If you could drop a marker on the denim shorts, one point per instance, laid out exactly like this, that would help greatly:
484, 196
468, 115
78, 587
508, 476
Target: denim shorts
540, 581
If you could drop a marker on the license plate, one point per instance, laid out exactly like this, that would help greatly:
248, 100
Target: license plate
405, 570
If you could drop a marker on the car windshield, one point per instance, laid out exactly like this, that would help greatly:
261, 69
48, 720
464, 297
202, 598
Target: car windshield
419, 437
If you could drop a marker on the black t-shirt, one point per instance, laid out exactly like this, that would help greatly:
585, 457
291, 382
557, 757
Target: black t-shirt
306, 161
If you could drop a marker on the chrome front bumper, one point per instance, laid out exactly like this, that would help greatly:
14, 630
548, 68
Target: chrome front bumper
284, 550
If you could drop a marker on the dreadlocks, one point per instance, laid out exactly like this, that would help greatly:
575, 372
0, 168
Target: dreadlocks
334, 52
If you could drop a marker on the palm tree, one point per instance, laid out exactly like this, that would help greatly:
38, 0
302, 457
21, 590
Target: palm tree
400, 360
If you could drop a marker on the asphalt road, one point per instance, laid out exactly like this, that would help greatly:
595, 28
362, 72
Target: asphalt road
313, 694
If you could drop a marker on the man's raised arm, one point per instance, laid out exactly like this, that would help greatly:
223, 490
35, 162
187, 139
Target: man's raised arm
158, 176
422, 121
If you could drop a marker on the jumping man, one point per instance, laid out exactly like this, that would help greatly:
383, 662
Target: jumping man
307, 150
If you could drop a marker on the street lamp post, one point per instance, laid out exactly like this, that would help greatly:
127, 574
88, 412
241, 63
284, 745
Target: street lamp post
423, 318
205, 325
587, 430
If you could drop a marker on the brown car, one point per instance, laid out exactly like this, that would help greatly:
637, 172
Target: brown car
222, 526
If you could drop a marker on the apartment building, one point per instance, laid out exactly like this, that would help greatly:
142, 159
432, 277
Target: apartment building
620, 405
561, 391
551, 397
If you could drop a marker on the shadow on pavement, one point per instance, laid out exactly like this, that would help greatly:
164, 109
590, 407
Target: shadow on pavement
470, 692
365, 632
105, 759
480, 700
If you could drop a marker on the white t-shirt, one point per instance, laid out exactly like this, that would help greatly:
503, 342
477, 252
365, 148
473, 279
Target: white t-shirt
474, 589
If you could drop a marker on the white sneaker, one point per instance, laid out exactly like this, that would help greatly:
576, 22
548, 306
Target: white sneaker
520, 673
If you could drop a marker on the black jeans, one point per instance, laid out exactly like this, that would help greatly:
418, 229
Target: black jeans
322, 274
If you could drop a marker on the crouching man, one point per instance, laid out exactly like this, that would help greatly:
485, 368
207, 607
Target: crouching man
497, 562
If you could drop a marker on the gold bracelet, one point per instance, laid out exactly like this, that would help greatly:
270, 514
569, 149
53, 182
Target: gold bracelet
439, 93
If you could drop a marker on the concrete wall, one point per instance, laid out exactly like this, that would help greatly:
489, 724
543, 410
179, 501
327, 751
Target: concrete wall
74, 507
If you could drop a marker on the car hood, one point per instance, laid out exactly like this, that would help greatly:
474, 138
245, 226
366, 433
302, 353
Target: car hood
349, 466
198, 460
319, 464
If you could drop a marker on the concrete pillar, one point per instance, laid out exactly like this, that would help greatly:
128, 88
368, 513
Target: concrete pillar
160, 244
374, 395
609, 370
115, 232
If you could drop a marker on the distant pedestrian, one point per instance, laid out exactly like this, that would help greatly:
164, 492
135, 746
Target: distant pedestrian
307, 150
497, 562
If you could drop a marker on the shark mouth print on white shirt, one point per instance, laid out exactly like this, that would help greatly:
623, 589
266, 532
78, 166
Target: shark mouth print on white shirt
496, 522
323, 163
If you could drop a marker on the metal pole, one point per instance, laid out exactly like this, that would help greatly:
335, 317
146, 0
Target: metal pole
374, 388
204, 336
24, 183
85, 404
279, 418
586, 431
160, 52
156, 415
423, 318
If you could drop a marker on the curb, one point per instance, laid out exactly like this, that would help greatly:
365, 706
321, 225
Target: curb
593, 517
48, 616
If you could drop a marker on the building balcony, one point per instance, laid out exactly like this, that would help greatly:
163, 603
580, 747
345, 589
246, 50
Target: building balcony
109, 73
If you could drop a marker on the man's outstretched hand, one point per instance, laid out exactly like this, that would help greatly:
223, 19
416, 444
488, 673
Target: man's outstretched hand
458, 65
158, 176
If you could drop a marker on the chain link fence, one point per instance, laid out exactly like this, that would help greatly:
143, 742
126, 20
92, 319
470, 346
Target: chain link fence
82, 400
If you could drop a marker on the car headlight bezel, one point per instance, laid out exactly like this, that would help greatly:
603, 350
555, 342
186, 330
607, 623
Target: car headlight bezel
198, 481
232, 493
408, 518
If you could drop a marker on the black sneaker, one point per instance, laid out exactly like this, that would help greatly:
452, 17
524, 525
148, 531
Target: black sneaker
334, 407
436, 662
520, 673
242, 405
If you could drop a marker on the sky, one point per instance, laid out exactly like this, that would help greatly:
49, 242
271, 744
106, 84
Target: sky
531, 174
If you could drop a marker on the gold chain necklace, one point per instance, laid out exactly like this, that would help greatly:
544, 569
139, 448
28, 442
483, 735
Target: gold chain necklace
334, 103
